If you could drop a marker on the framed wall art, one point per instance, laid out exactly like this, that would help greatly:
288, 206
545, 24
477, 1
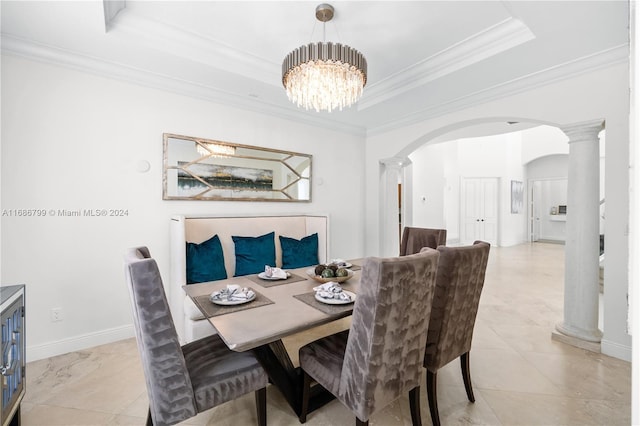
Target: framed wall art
206, 169
517, 196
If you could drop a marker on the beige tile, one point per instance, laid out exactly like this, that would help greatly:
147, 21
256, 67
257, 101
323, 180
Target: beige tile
455, 409
126, 346
534, 409
520, 376
533, 338
334, 413
47, 415
123, 420
608, 412
508, 371
139, 406
48, 376
111, 388
26, 406
484, 337
504, 314
591, 376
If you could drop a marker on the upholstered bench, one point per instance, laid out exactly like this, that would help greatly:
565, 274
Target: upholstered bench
197, 234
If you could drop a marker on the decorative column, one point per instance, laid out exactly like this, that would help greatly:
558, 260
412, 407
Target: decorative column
391, 174
582, 250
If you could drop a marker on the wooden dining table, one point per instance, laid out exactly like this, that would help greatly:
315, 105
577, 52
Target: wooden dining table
281, 308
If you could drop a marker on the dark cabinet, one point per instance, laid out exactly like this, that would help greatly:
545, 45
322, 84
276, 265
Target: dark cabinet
13, 353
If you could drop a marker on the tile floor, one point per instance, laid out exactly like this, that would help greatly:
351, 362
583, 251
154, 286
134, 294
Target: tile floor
520, 376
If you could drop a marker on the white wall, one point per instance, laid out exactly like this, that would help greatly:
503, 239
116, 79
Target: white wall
554, 168
72, 140
541, 141
439, 168
598, 94
452, 192
549, 167
429, 181
549, 176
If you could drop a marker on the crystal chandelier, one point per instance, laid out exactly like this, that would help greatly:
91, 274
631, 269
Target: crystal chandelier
322, 75
214, 149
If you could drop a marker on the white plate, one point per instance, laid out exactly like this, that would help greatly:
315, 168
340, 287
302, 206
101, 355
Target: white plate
232, 302
337, 301
262, 275
346, 265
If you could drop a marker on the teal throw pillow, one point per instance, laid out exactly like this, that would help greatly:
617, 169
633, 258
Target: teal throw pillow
205, 261
253, 253
299, 253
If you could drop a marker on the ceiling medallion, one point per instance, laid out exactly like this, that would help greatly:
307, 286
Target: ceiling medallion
324, 75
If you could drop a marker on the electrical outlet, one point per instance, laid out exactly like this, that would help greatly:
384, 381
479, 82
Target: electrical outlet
56, 314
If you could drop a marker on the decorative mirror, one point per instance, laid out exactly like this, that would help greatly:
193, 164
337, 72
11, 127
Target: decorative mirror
205, 169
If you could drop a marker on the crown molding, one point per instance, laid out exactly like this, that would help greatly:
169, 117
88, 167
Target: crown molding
498, 38
194, 47
603, 59
56, 56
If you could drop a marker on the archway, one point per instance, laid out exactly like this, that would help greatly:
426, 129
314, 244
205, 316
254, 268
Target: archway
399, 170
580, 325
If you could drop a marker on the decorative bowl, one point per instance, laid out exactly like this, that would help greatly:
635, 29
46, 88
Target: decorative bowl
312, 273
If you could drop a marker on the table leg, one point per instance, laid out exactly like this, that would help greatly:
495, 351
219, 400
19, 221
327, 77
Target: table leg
277, 363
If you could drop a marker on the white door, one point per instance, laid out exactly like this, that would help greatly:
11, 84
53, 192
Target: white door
479, 210
535, 202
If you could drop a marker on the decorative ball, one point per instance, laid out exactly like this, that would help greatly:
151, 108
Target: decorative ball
342, 272
327, 273
319, 269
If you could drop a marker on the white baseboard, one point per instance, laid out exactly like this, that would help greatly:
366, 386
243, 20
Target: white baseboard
616, 350
78, 343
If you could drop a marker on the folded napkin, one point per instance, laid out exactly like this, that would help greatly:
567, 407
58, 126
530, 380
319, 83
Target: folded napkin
339, 262
270, 272
331, 290
233, 293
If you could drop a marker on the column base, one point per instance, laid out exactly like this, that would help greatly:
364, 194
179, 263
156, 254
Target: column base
574, 341
593, 335
585, 339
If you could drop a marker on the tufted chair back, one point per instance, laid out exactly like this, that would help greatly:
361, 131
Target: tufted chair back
459, 282
183, 381
414, 239
385, 346
380, 357
171, 397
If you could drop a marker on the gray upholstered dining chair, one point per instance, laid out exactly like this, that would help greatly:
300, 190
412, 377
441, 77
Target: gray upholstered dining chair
414, 239
380, 357
459, 282
183, 381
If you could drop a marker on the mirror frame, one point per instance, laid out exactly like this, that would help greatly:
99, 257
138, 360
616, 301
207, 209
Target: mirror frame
210, 160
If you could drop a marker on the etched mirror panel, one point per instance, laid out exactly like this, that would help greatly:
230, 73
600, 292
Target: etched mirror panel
206, 169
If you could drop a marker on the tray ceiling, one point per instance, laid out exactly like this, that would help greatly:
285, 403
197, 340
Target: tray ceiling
425, 58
